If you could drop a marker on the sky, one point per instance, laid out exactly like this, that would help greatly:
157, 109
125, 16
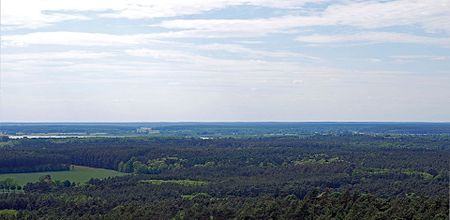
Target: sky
224, 60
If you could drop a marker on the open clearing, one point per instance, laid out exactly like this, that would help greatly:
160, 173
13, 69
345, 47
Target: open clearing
78, 174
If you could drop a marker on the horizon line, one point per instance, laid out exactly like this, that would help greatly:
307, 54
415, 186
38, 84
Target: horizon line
205, 122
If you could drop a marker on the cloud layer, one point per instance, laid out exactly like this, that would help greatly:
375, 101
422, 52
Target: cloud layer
174, 60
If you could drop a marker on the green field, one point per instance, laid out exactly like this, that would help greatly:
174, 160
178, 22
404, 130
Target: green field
78, 174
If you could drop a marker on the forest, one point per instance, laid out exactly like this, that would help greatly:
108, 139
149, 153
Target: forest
316, 176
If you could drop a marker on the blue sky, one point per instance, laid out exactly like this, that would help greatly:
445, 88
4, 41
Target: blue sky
225, 60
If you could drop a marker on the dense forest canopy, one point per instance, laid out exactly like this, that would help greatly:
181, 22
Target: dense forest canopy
313, 176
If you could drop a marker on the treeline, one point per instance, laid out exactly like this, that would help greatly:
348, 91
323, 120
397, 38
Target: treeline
7, 185
374, 151
105, 199
19, 161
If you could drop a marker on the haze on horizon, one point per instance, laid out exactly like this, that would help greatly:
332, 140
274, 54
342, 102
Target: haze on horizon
225, 60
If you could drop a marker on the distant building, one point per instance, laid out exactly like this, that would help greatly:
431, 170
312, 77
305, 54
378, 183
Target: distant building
146, 131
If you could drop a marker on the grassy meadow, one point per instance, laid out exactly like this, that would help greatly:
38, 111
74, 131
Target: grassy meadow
78, 174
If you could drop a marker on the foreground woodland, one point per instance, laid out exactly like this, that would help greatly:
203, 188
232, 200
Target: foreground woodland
340, 176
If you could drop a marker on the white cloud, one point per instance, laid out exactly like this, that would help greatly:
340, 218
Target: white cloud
421, 57
297, 81
418, 58
431, 15
166, 55
35, 14
63, 55
90, 39
376, 14
110, 40
152, 9
232, 70
75, 38
240, 27
239, 49
374, 37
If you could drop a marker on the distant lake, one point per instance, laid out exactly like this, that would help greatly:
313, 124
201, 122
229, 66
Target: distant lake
53, 136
